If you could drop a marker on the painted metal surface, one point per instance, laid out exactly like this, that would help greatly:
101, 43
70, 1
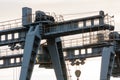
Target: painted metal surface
31, 32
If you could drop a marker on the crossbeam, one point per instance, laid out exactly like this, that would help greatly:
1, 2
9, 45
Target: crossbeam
70, 27
90, 51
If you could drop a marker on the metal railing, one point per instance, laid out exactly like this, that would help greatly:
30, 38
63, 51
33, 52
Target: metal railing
109, 20
8, 52
11, 24
58, 18
86, 39
80, 23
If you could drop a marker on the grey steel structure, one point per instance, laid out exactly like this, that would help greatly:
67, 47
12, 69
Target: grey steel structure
97, 38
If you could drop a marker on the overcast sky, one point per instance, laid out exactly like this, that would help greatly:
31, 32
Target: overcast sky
11, 9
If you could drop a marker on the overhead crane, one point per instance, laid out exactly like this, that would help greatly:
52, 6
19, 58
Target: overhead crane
96, 38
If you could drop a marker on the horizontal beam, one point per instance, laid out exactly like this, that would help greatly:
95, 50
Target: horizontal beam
77, 30
7, 60
70, 27
21, 33
15, 60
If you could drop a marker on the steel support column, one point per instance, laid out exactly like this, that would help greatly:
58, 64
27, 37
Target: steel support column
54, 53
30, 51
108, 55
61, 55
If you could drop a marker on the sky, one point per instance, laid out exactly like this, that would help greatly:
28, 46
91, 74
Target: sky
12, 9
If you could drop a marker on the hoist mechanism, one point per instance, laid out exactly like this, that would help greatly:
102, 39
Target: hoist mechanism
41, 16
96, 38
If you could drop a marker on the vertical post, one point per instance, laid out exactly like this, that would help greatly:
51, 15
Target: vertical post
32, 43
101, 20
26, 16
62, 60
55, 57
107, 63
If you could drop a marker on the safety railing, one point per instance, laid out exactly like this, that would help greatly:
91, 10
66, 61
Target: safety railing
10, 24
8, 52
58, 18
109, 19
80, 23
87, 39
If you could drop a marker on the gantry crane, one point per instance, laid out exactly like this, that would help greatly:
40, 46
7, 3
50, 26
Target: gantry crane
96, 38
